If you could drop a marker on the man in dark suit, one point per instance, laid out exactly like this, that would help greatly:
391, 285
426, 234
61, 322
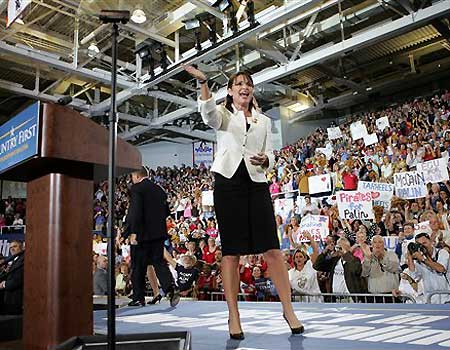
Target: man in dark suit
12, 280
147, 227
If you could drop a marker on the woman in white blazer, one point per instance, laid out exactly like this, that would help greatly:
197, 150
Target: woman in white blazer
241, 194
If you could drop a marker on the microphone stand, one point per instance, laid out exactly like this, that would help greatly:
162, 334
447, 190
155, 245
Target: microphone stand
113, 17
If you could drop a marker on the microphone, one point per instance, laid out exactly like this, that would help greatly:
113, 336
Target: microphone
64, 100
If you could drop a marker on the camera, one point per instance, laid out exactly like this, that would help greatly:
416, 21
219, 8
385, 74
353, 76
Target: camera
416, 247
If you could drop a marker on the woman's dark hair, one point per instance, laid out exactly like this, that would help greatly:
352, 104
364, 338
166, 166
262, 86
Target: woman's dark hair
229, 99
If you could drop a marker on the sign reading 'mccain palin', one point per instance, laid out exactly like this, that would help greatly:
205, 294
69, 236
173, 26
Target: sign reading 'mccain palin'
19, 137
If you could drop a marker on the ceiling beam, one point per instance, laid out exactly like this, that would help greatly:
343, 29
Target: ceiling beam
362, 39
19, 90
158, 123
133, 118
278, 16
208, 8
172, 98
41, 57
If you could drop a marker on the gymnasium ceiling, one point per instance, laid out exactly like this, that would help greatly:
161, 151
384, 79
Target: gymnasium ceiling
315, 57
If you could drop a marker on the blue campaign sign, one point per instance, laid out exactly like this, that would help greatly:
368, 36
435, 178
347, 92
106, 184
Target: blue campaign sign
19, 137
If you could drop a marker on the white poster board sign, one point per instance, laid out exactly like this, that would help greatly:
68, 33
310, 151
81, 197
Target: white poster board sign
382, 123
370, 139
334, 133
423, 226
355, 205
410, 185
319, 183
434, 170
381, 192
316, 225
358, 130
283, 207
208, 198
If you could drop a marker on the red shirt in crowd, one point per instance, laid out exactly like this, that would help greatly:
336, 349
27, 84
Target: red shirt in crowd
209, 257
350, 181
246, 275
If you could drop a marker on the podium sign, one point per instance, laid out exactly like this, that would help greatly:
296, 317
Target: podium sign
19, 137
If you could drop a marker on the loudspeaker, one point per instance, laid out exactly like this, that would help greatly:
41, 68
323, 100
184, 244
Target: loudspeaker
144, 341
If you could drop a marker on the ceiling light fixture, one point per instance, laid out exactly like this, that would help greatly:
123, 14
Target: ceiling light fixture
93, 50
222, 5
191, 23
138, 16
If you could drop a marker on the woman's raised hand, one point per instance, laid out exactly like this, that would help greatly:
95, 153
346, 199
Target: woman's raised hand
196, 73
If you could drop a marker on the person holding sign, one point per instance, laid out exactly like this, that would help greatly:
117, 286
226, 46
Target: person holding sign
303, 277
241, 195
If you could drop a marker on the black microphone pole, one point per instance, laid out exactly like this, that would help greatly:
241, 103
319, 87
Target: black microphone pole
113, 17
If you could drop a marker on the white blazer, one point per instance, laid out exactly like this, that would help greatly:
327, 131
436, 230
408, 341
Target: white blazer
234, 142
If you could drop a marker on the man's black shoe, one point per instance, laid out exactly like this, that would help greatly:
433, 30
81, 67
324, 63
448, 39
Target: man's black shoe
174, 297
136, 303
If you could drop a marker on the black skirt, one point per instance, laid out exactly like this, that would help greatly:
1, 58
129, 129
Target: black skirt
244, 214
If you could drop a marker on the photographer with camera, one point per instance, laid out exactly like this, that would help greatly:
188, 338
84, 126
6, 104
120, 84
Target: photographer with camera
430, 264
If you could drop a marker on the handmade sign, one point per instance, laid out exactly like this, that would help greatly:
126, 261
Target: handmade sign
381, 192
316, 225
207, 198
358, 130
390, 242
319, 183
355, 205
283, 207
382, 123
327, 151
334, 133
370, 139
410, 185
423, 226
434, 170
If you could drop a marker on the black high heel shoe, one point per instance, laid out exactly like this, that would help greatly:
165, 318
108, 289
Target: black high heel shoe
155, 300
236, 336
295, 331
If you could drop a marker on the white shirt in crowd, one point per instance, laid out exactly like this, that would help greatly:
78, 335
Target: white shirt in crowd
406, 288
305, 281
339, 285
18, 222
386, 170
432, 280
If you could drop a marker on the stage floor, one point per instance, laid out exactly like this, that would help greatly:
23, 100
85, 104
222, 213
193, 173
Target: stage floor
328, 326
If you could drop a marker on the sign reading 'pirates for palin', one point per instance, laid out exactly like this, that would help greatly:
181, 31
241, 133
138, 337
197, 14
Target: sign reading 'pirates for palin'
19, 137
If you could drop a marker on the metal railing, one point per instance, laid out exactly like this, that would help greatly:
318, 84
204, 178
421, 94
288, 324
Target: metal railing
18, 229
352, 298
329, 298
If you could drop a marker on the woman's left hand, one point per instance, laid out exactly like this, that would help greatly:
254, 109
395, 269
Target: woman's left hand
260, 159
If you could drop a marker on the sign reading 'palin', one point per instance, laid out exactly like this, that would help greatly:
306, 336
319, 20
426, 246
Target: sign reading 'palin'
355, 205
410, 185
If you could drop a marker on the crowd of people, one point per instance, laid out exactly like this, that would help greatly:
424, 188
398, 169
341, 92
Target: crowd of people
12, 212
353, 258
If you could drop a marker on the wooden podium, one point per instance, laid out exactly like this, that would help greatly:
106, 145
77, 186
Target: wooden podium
72, 153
